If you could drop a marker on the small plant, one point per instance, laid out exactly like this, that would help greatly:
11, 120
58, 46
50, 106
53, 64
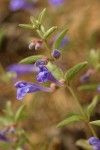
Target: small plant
47, 69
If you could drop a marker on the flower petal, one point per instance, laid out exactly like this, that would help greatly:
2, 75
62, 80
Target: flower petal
21, 92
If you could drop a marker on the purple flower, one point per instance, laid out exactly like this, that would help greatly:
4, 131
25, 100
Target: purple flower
87, 75
26, 87
56, 2
20, 69
3, 137
98, 88
45, 75
56, 54
94, 142
20, 4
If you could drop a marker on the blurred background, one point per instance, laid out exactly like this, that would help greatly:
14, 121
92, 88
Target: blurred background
45, 111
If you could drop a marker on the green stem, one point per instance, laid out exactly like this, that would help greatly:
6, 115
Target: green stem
81, 110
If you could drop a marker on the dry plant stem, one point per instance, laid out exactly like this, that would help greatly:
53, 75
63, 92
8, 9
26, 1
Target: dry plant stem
81, 110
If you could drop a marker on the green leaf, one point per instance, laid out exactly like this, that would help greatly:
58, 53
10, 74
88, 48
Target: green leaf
70, 120
19, 113
39, 33
26, 26
96, 123
8, 110
31, 59
94, 57
74, 70
59, 39
49, 32
34, 21
5, 145
42, 15
84, 144
88, 87
55, 70
92, 106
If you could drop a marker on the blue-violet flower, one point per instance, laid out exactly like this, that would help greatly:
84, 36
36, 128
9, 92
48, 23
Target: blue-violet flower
45, 75
56, 54
20, 69
56, 2
94, 142
24, 87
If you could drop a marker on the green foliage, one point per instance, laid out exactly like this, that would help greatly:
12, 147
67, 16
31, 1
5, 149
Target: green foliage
70, 120
49, 32
96, 123
41, 16
59, 39
74, 70
94, 57
26, 26
92, 106
19, 113
55, 70
31, 59
5, 146
84, 144
88, 87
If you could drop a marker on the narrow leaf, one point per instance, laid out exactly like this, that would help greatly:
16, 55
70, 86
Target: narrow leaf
54, 70
42, 15
92, 106
84, 144
59, 39
96, 123
88, 87
26, 26
31, 59
19, 113
33, 20
49, 32
73, 71
70, 120
39, 33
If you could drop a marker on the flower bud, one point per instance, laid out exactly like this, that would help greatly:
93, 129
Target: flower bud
32, 46
56, 54
54, 86
38, 44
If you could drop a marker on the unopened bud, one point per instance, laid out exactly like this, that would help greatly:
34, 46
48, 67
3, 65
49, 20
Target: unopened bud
56, 54
32, 46
38, 44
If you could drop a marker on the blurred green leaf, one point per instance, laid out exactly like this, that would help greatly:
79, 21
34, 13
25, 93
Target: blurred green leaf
92, 106
26, 26
31, 59
49, 32
6, 121
1, 37
5, 145
59, 39
96, 123
84, 144
39, 33
74, 70
88, 87
70, 120
8, 109
55, 70
94, 57
34, 21
42, 15
19, 113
